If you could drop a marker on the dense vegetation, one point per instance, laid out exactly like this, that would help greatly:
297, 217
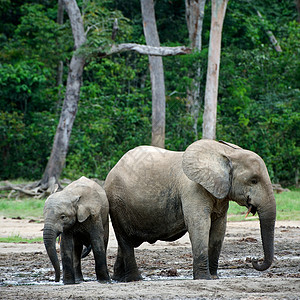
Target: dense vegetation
259, 97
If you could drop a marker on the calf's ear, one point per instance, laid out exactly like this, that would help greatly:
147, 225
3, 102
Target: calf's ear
82, 213
89, 204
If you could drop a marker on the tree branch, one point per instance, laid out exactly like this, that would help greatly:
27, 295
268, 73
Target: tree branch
270, 34
148, 50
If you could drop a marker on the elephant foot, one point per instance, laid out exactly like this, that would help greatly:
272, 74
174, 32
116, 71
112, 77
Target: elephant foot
67, 282
203, 276
133, 277
127, 278
79, 280
214, 273
103, 278
117, 277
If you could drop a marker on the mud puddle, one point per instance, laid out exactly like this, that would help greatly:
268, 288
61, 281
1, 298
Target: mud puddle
42, 276
26, 271
155, 265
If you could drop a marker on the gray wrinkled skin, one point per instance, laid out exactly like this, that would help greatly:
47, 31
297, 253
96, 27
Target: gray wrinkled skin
156, 194
79, 213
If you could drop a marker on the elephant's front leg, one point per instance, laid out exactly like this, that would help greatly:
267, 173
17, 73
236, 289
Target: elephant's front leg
198, 228
67, 248
216, 238
99, 251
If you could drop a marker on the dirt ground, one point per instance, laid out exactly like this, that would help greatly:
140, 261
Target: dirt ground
26, 271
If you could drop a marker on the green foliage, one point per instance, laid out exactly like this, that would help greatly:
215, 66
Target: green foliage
178, 135
21, 86
25, 147
37, 37
169, 15
259, 103
109, 122
259, 97
98, 21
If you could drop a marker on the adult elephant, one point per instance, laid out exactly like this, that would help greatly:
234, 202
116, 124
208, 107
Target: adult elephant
155, 194
80, 214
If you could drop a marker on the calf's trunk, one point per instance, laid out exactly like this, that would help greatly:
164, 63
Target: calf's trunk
49, 237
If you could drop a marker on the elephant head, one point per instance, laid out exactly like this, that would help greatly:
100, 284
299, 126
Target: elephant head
62, 210
228, 171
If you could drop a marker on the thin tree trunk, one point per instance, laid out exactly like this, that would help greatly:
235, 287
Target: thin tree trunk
194, 12
60, 66
156, 74
194, 18
218, 10
62, 137
271, 36
60, 21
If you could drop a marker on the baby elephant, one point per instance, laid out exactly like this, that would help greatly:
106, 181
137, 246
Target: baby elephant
80, 214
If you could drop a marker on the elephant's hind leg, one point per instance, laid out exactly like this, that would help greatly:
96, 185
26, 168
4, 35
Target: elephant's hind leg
125, 268
77, 261
119, 269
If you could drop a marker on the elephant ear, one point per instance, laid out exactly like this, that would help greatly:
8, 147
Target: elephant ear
90, 202
93, 200
83, 210
206, 162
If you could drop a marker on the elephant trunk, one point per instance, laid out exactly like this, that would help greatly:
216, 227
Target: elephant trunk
267, 217
49, 236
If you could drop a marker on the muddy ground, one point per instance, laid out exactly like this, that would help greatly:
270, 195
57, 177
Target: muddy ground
26, 272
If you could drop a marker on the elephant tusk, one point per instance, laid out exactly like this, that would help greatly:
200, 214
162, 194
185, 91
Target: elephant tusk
249, 210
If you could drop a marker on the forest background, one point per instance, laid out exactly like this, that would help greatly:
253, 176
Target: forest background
258, 102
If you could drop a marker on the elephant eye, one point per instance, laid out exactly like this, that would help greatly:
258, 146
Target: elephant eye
63, 217
254, 181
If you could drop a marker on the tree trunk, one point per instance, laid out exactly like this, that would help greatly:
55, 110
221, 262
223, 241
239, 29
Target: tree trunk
156, 74
271, 36
218, 10
69, 110
60, 66
194, 11
60, 21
